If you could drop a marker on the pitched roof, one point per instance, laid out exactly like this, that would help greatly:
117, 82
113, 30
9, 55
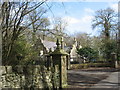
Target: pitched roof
49, 44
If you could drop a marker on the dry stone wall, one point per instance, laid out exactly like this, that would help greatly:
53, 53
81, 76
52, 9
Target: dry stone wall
36, 76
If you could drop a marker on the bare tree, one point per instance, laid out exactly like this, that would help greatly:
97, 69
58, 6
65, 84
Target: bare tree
84, 39
41, 22
59, 27
13, 16
58, 30
105, 20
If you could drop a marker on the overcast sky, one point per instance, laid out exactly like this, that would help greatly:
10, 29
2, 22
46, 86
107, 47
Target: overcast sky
78, 15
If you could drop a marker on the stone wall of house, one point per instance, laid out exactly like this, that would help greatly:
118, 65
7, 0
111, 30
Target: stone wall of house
36, 76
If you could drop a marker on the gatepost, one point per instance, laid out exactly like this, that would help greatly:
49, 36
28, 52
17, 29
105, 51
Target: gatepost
59, 63
115, 60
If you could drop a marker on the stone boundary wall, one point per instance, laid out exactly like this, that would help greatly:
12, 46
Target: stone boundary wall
32, 76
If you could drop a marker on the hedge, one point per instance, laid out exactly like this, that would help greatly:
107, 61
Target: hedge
87, 65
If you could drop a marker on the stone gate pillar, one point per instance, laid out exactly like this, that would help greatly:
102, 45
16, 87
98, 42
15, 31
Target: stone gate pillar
59, 63
115, 61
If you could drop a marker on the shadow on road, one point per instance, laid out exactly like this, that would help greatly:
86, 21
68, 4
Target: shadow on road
85, 78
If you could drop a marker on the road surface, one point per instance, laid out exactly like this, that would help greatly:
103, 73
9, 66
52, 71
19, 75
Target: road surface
94, 78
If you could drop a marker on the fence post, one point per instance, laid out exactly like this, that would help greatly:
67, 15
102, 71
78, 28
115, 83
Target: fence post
59, 63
